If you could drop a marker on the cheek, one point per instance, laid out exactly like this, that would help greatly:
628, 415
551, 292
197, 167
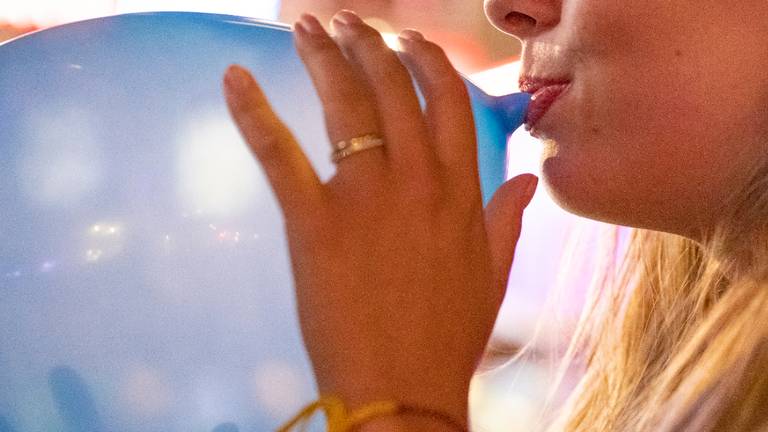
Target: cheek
640, 158
642, 139
658, 107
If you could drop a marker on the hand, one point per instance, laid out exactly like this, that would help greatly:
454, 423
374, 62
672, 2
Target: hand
399, 271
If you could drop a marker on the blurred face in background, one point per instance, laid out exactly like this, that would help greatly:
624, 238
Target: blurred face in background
459, 26
666, 108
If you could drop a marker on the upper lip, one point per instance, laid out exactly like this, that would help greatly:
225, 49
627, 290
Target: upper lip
531, 84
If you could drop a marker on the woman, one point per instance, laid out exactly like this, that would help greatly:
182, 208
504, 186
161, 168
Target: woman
663, 126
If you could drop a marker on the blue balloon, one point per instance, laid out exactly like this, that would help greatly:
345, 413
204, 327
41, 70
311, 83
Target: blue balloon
144, 276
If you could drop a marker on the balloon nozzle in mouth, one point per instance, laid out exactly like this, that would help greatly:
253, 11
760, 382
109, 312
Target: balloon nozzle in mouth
514, 109
510, 110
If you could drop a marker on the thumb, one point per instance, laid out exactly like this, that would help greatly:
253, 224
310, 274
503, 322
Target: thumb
503, 222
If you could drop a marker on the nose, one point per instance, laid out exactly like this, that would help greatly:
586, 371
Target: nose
523, 18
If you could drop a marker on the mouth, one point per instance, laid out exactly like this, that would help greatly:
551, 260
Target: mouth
545, 92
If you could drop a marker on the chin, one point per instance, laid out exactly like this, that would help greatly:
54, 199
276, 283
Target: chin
561, 185
579, 191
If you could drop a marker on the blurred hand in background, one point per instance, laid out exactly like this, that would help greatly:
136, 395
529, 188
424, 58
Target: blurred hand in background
8, 31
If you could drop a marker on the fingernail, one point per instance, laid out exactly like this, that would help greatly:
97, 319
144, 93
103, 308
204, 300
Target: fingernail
309, 23
347, 17
411, 35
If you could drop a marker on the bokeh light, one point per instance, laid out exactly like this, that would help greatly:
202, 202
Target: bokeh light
63, 164
215, 169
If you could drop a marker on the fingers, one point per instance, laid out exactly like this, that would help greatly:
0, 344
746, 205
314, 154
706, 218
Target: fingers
503, 219
448, 113
400, 114
349, 105
290, 173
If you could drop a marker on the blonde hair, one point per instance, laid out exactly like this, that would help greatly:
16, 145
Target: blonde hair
674, 335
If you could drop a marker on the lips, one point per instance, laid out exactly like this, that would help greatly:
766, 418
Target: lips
545, 93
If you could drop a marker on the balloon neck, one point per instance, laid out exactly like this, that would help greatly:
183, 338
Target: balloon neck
513, 108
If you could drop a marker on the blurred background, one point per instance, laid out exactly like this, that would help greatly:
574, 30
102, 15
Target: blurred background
556, 249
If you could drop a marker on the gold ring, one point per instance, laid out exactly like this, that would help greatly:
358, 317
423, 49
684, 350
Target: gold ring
349, 147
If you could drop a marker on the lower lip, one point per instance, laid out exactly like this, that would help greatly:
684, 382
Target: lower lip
541, 101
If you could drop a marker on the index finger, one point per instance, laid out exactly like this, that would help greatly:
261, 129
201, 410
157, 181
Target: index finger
290, 174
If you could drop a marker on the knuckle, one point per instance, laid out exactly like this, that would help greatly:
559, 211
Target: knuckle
438, 74
368, 48
393, 64
441, 63
269, 155
434, 50
313, 44
448, 80
324, 46
362, 35
350, 102
267, 147
349, 107
363, 42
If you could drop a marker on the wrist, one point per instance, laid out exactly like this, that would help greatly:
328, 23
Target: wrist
453, 407
379, 416
420, 414
413, 392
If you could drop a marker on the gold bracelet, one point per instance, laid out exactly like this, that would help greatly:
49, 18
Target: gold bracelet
337, 419
428, 412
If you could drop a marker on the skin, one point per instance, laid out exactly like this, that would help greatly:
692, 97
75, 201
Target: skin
399, 269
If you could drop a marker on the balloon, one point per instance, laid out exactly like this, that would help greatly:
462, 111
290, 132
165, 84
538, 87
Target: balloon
144, 276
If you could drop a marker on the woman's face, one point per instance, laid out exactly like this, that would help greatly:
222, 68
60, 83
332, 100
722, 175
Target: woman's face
668, 103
